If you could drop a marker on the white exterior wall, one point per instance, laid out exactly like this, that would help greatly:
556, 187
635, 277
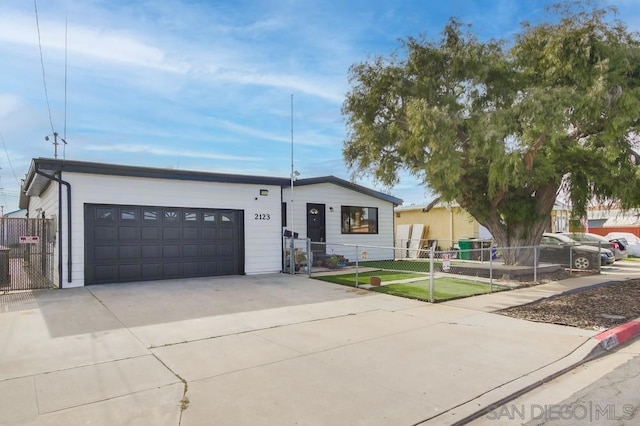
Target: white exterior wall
262, 243
336, 196
48, 203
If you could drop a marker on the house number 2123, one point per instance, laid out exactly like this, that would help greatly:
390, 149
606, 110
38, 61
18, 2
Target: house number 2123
262, 216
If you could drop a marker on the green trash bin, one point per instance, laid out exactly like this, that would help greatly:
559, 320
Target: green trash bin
465, 247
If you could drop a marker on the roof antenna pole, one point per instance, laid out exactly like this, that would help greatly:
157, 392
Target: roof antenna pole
291, 248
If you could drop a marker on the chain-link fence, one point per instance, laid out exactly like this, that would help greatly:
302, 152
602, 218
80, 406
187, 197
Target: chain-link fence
480, 263
26, 254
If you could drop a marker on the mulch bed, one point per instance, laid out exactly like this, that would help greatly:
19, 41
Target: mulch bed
597, 308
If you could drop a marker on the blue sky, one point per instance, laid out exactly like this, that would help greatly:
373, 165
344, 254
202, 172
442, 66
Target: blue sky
207, 85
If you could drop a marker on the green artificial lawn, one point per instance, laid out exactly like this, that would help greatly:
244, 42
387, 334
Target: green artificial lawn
400, 265
445, 289
363, 277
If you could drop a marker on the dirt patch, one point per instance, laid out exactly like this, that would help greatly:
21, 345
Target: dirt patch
597, 308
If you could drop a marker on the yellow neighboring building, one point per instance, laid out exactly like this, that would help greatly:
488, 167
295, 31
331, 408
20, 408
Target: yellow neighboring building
445, 222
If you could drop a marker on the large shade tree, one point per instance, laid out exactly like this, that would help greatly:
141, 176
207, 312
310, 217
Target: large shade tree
502, 127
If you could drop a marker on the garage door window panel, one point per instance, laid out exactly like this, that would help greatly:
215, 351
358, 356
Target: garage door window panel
150, 215
190, 216
103, 214
171, 216
127, 215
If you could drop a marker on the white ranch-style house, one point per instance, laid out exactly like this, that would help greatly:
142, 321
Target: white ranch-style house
117, 224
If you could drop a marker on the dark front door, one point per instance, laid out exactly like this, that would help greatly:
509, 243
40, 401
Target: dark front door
316, 227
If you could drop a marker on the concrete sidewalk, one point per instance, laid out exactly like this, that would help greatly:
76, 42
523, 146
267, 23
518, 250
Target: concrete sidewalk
274, 349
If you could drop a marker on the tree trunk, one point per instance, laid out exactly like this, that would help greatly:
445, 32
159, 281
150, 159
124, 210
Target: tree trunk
518, 240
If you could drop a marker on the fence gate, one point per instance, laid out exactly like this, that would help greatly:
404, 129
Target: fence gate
26, 253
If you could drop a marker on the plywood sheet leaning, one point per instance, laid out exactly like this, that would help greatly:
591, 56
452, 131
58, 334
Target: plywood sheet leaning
403, 233
415, 242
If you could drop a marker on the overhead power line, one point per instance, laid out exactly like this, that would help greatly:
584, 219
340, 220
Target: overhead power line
44, 79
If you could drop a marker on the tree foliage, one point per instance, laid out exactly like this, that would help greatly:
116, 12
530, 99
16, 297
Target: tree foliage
502, 126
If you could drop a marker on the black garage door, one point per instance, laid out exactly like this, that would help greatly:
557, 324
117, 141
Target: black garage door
137, 243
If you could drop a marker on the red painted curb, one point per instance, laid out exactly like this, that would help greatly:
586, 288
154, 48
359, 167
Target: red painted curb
618, 335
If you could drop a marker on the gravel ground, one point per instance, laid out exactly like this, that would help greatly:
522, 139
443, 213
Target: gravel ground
598, 308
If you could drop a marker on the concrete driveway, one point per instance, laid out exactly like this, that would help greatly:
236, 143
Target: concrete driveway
271, 349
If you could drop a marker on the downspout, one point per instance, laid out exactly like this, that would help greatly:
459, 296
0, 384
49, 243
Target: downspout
68, 185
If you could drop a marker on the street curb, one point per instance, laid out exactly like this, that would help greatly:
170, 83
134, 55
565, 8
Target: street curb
614, 337
601, 344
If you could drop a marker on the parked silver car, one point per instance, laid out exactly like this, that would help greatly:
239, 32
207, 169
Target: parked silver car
590, 239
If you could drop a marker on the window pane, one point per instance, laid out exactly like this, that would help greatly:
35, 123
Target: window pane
190, 216
209, 217
359, 220
104, 213
127, 214
171, 215
227, 217
150, 215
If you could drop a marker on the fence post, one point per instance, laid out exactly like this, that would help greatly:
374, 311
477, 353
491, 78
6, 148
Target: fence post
357, 256
431, 274
491, 269
570, 260
599, 257
309, 257
535, 264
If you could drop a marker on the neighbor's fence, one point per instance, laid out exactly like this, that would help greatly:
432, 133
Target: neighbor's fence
26, 254
487, 265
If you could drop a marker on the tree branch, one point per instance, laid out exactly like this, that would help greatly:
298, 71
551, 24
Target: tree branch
464, 138
531, 155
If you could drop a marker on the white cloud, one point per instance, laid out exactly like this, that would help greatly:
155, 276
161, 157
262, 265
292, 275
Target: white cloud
154, 150
176, 153
98, 44
97, 47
